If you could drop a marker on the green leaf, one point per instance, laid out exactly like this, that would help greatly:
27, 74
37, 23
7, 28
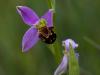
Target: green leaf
73, 62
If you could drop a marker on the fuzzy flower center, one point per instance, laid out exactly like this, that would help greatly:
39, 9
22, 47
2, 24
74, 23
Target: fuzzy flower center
41, 23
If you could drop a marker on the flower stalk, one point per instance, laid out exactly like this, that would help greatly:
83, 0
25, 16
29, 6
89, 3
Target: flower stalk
52, 4
55, 46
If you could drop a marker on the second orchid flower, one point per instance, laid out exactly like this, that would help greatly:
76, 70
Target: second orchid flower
62, 68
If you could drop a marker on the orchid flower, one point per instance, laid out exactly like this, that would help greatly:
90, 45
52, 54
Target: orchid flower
62, 68
40, 28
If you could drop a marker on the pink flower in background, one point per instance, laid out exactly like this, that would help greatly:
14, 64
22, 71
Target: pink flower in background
62, 68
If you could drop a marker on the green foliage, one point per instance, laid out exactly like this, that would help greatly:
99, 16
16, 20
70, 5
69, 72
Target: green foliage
73, 63
56, 51
51, 4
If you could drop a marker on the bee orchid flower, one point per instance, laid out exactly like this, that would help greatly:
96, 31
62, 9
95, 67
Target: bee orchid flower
62, 68
40, 28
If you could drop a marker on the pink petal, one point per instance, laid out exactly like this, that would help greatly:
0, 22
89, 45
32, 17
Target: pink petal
28, 15
67, 43
30, 38
49, 18
62, 67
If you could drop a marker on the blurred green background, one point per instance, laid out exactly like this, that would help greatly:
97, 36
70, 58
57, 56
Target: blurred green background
76, 19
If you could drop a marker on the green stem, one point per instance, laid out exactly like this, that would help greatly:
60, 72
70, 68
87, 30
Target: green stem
73, 63
54, 47
51, 4
56, 51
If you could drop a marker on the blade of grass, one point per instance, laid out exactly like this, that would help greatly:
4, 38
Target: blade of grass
51, 4
90, 41
73, 63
